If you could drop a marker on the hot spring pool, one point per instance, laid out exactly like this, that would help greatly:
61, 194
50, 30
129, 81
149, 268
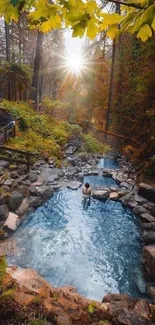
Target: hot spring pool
97, 250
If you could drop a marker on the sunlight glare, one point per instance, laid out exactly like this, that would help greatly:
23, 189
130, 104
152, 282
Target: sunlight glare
75, 63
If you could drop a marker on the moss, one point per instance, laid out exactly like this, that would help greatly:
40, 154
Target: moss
2, 233
38, 322
92, 145
37, 300
38, 132
7, 294
92, 308
3, 266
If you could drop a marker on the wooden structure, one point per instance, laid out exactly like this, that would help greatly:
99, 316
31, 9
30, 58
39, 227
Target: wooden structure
7, 132
24, 156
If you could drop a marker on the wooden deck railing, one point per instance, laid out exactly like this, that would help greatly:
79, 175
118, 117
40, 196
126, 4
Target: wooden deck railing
24, 156
7, 132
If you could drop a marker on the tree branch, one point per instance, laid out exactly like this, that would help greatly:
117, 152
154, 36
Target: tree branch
133, 5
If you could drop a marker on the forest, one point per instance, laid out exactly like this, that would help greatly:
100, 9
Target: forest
77, 162
105, 80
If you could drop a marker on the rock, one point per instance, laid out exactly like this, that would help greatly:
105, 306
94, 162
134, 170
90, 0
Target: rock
72, 160
80, 176
127, 198
11, 222
33, 177
22, 209
53, 178
14, 174
149, 260
119, 177
74, 185
4, 212
126, 185
140, 282
151, 207
113, 189
8, 247
4, 198
27, 183
118, 297
24, 190
114, 196
149, 237
147, 191
100, 194
8, 182
4, 163
34, 191
139, 199
151, 290
139, 210
146, 217
22, 170
15, 200
46, 192
150, 225
35, 202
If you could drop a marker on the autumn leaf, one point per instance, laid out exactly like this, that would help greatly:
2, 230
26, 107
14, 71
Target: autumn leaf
145, 32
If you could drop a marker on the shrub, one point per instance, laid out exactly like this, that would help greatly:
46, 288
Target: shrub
92, 145
3, 266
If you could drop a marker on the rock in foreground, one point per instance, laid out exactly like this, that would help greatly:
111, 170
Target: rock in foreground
32, 299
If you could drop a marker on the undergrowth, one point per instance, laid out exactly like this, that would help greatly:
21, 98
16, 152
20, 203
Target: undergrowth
92, 145
38, 132
42, 133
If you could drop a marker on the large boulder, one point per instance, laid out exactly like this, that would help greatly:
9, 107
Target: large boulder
4, 212
33, 177
146, 217
22, 209
149, 237
139, 210
46, 192
100, 194
15, 200
74, 185
114, 196
11, 222
147, 191
149, 260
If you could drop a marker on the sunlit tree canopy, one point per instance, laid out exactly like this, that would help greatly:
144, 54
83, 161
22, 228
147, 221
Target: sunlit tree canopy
84, 17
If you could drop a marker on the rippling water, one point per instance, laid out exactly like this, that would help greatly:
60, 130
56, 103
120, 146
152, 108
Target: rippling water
97, 250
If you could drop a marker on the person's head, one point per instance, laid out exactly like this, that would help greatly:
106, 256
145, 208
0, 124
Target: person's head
87, 185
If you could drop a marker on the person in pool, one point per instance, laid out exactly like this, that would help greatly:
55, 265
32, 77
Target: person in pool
86, 191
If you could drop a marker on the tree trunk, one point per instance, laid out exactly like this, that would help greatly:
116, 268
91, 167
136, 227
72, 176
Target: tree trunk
7, 39
36, 69
110, 97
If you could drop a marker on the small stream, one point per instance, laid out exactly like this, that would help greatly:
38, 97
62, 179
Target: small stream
97, 250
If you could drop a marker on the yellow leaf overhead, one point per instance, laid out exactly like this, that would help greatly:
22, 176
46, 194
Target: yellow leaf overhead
145, 32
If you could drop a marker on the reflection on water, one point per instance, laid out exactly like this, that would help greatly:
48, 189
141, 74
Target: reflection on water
97, 250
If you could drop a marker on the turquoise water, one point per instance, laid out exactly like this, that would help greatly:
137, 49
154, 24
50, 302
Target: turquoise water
97, 250
108, 163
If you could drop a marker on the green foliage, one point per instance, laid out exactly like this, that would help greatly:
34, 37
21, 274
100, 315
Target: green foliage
92, 145
19, 76
38, 322
37, 300
83, 17
7, 294
92, 307
3, 266
38, 132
